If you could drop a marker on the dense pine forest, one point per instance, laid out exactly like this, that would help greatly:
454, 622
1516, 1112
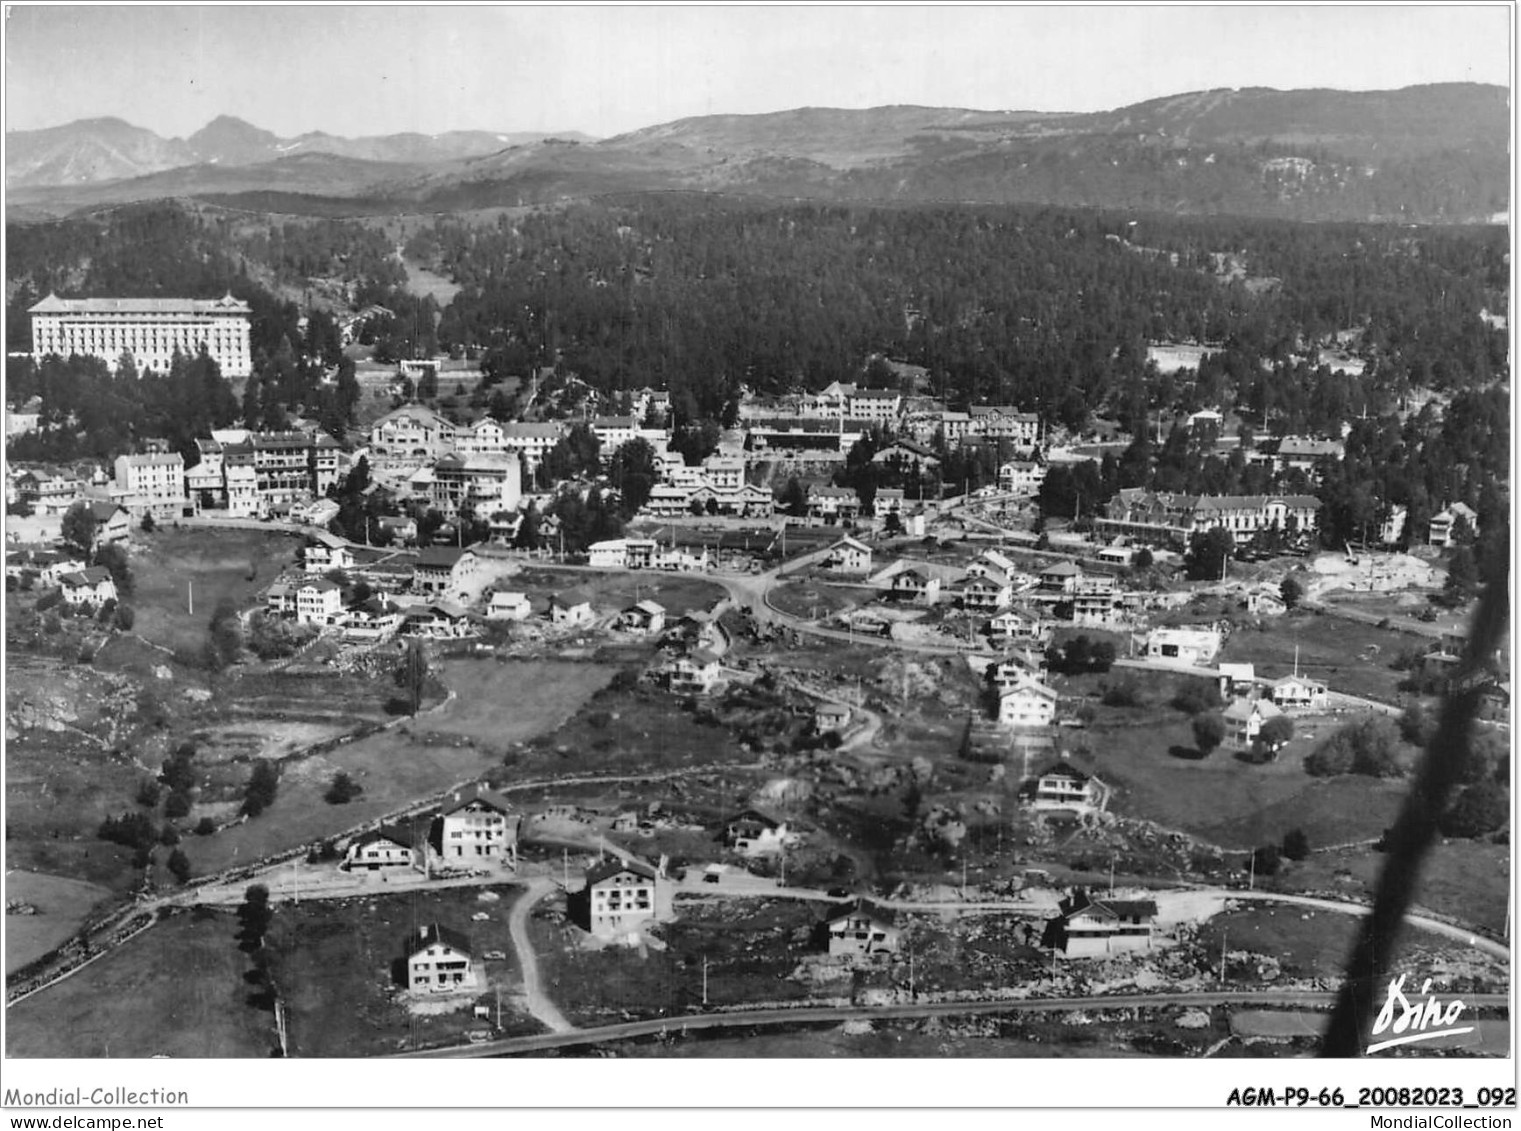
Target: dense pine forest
1048, 309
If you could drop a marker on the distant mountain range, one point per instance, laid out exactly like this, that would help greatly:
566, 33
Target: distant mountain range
109, 149
1422, 154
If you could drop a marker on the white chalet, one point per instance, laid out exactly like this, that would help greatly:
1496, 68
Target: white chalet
1244, 719
861, 929
478, 828
621, 895
379, 850
326, 551
645, 617
849, 556
507, 605
1028, 703
318, 601
92, 586
1195, 646
1064, 786
439, 961
1297, 692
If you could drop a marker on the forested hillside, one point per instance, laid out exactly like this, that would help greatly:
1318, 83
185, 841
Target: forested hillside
1051, 309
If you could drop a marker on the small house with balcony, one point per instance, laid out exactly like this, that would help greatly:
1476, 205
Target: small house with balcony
443, 571
1028, 703
1063, 786
694, 673
93, 586
371, 622
860, 930
1244, 719
1298, 693
917, 586
984, 592
1060, 578
384, 849
436, 620
326, 552
644, 618
753, 833
1087, 928
439, 960
849, 556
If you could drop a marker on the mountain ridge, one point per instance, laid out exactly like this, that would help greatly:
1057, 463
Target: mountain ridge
1431, 153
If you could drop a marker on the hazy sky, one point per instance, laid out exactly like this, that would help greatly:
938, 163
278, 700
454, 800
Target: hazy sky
607, 69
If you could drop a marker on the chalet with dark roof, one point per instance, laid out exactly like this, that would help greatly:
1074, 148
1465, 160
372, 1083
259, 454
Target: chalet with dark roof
863, 928
92, 586
1093, 927
754, 833
442, 570
384, 849
619, 896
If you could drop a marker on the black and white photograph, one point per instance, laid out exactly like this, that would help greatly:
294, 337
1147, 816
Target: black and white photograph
570, 533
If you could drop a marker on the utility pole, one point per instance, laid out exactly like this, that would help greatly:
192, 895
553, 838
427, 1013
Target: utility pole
1223, 936
565, 865
190, 598
705, 981
295, 872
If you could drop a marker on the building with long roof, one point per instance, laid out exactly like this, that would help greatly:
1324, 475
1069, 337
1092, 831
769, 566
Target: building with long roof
151, 330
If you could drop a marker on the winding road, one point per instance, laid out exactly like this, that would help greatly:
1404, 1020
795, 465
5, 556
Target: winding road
538, 1002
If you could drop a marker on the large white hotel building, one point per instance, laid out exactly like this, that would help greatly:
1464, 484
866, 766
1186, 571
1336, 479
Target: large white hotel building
150, 329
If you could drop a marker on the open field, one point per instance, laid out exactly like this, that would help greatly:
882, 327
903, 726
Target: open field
219, 565
335, 964
422, 756
58, 790
177, 989
1170, 357
1350, 657
813, 601
1468, 880
422, 283
1316, 944
1225, 800
505, 702
635, 730
60, 904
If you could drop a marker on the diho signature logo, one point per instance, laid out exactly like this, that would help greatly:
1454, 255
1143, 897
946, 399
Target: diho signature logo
1411, 1022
